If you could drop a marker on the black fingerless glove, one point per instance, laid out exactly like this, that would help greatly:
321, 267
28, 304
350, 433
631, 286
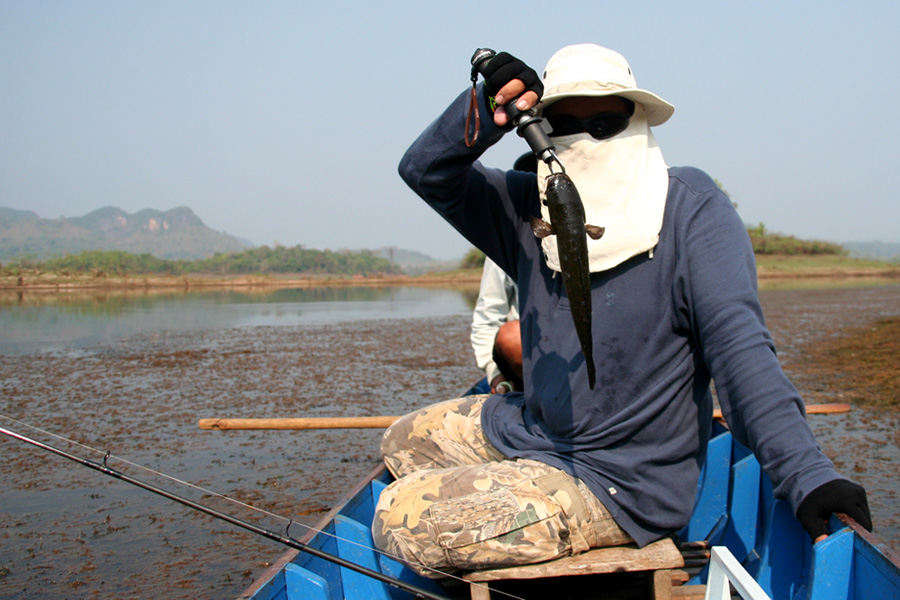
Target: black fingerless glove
838, 495
503, 68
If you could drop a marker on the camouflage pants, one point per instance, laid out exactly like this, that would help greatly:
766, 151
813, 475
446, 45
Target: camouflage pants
458, 504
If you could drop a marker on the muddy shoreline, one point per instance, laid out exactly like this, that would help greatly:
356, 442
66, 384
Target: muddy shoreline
37, 281
55, 282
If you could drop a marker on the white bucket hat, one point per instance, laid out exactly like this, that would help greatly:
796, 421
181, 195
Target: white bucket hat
592, 70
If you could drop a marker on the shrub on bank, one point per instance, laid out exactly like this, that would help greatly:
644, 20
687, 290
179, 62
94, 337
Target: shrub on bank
775, 243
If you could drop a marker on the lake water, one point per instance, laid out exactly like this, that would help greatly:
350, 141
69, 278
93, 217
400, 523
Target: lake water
132, 374
34, 323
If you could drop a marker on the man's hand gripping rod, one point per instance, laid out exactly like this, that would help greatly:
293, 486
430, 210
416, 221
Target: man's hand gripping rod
528, 124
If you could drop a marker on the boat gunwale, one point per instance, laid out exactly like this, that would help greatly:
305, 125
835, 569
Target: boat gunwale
873, 539
288, 557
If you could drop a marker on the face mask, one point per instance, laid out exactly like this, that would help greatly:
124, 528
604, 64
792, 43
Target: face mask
623, 182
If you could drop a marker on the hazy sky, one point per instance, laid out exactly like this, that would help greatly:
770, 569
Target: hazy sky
283, 122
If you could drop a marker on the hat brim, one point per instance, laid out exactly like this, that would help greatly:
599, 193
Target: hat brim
658, 110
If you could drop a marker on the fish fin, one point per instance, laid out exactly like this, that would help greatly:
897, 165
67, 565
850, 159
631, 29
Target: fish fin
595, 232
541, 228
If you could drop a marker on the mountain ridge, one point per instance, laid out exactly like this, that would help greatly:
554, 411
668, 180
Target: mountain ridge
177, 233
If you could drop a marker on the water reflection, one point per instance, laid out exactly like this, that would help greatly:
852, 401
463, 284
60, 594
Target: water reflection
59, 322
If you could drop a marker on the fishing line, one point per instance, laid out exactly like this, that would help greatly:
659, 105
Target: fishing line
285, 538
161, 474
287, 520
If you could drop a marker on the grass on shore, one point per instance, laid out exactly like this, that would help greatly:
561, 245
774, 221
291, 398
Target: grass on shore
775, 265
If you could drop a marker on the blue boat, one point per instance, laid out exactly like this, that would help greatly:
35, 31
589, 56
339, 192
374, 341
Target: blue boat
736, 517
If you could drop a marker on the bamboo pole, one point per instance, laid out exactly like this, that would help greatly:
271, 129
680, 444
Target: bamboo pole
382, 422
811, 409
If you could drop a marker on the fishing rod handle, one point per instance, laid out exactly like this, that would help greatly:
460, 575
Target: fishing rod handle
528, 125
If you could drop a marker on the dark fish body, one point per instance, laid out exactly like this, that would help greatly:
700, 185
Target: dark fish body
567, 222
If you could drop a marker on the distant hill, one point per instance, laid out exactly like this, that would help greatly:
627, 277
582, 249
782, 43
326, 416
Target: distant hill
874, 250
171, 234
414, 263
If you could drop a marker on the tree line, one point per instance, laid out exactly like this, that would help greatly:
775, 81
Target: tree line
297, 259
263, 259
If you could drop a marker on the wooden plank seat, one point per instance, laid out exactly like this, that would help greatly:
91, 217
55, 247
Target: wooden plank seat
656, 560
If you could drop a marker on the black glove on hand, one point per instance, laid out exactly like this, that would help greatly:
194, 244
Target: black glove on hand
838, 495
503, 68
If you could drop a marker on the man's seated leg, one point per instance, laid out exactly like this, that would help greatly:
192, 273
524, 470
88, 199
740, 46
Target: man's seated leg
446, 434
492, 515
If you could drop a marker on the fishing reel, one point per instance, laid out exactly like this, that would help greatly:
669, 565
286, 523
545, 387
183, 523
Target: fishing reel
527, 123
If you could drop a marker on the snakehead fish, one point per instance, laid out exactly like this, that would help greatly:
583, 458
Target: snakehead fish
567, 222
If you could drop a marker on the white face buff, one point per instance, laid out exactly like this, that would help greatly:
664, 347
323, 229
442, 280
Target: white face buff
623, 182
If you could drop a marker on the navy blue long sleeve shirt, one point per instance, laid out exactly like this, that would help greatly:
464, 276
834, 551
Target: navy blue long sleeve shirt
663, 327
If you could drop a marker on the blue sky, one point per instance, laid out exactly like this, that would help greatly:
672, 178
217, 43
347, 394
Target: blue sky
283, 122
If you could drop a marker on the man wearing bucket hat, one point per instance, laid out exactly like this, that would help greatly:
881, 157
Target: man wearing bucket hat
555, 469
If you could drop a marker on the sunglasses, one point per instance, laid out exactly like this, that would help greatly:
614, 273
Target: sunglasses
601, 126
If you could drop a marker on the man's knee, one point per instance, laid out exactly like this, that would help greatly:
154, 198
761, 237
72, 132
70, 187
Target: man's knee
509, 342
401, 527
396, 443
507, 352
446, 434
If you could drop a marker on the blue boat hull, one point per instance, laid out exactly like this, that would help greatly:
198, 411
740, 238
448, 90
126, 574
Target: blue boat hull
734, 508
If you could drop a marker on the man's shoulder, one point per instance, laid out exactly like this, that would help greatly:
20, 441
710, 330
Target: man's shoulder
692, 191
693, 178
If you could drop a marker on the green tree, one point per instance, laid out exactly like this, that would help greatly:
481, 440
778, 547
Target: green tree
474, 259
254, 260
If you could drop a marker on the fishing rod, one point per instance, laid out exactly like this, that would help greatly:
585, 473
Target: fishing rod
527, 123
285, 539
